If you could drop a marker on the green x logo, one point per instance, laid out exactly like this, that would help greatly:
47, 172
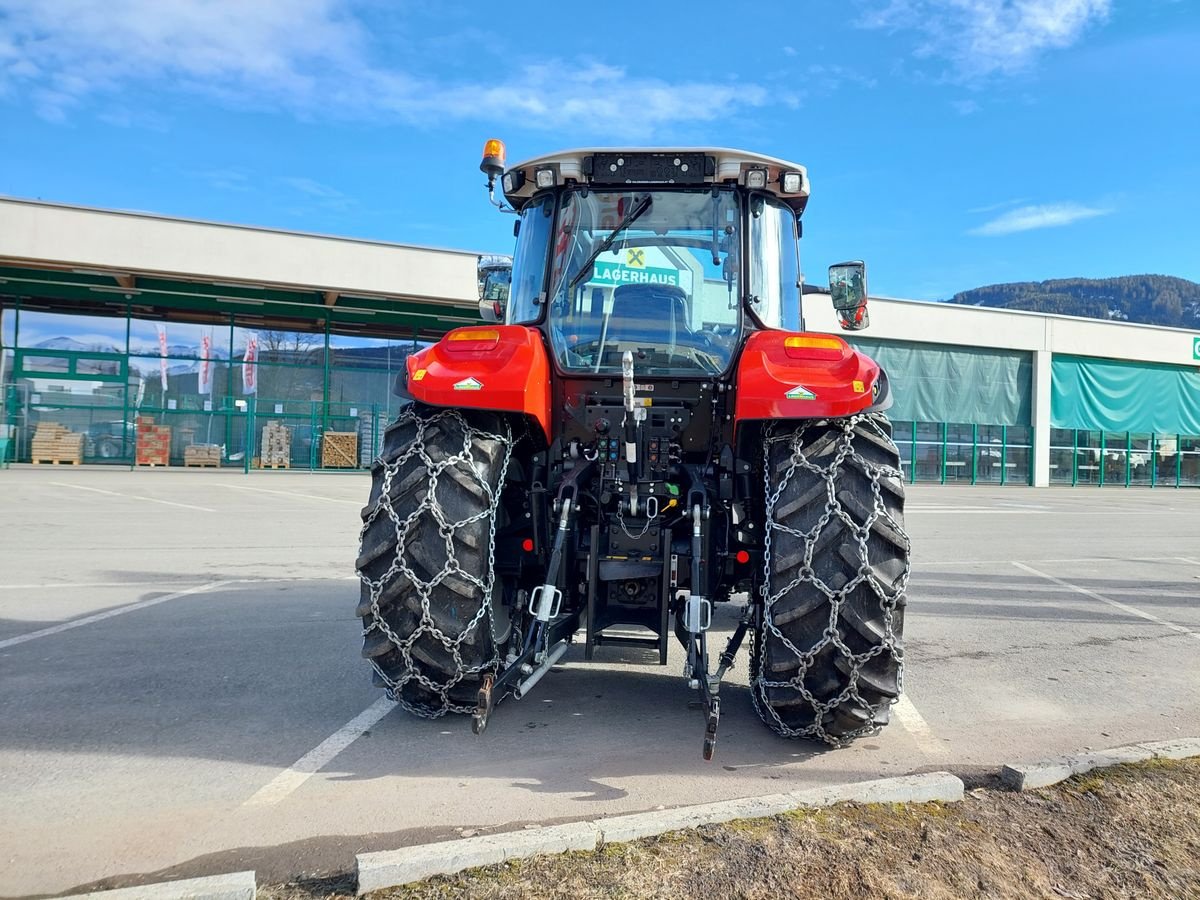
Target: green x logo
635, 258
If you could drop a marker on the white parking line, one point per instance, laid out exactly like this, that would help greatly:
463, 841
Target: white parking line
80, 487
170, 503
926, 563
333, 575
1186, 560
914, 723
1124, 607
291, 778
47, 585
921, 581
976, 510
108, 614
242, 487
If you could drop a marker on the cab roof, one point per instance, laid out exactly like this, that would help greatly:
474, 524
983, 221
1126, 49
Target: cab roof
655, 166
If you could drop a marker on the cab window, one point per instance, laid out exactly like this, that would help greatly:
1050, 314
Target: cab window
774, 264
527, 293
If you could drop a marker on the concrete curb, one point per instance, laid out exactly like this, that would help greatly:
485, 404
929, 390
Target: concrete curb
1027, 776
234, 886
1180, 748
393, 868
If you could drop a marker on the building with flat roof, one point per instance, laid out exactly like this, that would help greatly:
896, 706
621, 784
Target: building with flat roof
217, 331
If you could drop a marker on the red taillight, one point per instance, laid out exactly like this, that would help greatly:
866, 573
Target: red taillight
814, 346
527, 545
743, 557
472, 340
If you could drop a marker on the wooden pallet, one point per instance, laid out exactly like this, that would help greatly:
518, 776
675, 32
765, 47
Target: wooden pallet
276, 447
54, 443
339, 450
202, 455
153, 446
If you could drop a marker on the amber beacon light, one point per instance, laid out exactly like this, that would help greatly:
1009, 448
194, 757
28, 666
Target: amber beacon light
493, 159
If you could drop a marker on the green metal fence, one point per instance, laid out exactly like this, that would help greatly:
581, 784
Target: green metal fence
965, 453
1123, 458
99, 376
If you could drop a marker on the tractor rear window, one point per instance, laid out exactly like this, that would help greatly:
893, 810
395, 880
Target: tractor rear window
652, 272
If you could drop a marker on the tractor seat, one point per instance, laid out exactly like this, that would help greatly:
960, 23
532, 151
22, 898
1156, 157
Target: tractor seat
650, 314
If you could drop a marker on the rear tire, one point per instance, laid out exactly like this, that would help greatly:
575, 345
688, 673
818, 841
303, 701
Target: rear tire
828, 655
432, 614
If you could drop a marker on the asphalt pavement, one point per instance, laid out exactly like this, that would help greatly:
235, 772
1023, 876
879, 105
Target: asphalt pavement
181, 691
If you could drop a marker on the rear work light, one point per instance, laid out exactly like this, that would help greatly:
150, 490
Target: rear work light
810, 346
472, 339
791, 182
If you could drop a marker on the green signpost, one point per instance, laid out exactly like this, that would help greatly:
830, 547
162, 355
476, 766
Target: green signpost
1196, 348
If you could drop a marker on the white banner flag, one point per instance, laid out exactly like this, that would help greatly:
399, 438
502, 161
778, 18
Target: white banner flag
206, 366
250, 365
162, 355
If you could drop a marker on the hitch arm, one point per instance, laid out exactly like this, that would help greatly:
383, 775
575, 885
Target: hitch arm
546, 600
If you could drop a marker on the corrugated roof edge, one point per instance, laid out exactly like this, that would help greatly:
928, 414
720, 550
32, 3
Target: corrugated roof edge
141, 214
946, 304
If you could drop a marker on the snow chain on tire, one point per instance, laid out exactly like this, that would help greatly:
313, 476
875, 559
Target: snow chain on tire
843, 580
427, 659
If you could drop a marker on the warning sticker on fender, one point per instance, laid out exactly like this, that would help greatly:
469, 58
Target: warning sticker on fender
800, 392
468, 384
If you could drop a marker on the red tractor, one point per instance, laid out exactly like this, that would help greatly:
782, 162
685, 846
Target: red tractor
646, 431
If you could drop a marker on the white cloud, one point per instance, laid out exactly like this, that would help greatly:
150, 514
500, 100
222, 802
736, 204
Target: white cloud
559, 93
830, 77
965, 107
1029, 218
980, 38
70, 49
992, 207
314, 58
313, 188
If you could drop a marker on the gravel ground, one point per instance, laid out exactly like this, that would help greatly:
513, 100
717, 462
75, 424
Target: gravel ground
1130, 831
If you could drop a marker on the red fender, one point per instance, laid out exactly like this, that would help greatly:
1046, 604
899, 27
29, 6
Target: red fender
802, 375
496, 367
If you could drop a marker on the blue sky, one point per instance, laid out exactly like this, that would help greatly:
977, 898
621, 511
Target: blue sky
950, 143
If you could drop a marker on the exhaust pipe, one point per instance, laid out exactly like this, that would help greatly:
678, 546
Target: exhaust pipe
551, 658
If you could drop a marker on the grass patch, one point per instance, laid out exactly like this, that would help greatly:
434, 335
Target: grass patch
1129, 831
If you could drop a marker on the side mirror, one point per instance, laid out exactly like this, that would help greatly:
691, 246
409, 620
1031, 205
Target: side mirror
493, 294
489, 312
848, 291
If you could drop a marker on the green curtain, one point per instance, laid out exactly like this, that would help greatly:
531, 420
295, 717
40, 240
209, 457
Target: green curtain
946, 383
1107, 395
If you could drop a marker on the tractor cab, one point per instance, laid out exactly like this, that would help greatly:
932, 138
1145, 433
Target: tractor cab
671, 255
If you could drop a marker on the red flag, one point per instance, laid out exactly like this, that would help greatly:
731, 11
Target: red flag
162, 355
206, 366
250, 365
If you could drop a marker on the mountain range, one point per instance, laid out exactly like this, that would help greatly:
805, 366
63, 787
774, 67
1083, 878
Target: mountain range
1149, 299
